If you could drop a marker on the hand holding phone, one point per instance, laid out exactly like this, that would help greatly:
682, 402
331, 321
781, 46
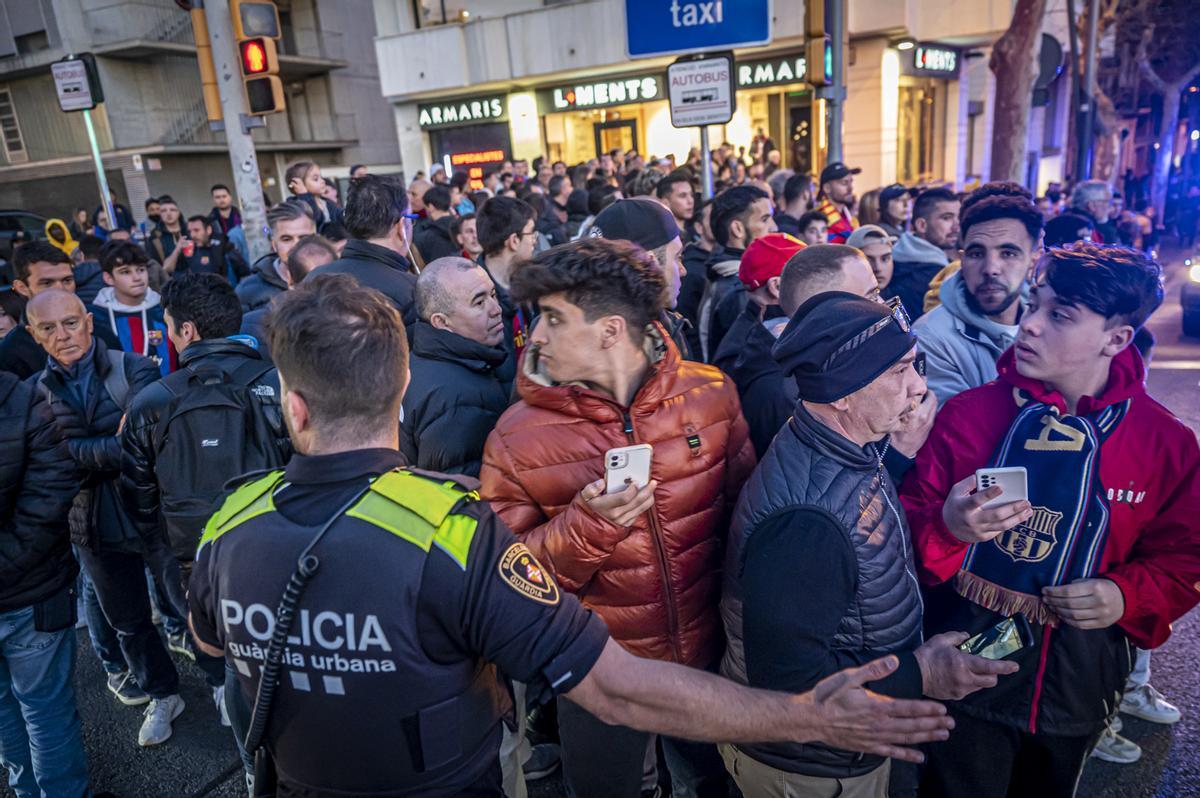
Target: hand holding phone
1002, 640
622, 507
949, 674
627, 465
967, 518
1013, 483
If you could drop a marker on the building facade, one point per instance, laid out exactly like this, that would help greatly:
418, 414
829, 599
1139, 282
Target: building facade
153, 131
498, 79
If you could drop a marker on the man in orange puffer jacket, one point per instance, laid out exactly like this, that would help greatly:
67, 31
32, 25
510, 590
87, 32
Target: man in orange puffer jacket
600, 373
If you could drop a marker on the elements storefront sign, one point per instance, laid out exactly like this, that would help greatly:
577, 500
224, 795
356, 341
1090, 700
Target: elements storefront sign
465, 111
601, 92
934, 61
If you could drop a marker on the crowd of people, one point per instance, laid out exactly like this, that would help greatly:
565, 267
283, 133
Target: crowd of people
361, 483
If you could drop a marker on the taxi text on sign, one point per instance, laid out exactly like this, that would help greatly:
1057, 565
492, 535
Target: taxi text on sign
660, 27
701, 92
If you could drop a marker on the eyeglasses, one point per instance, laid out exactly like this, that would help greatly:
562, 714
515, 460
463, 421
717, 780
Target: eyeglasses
896, 313
896, 306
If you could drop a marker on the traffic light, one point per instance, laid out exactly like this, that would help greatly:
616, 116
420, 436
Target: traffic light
256, 27
818, 57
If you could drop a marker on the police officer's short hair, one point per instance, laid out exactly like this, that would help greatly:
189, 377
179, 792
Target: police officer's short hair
343, 348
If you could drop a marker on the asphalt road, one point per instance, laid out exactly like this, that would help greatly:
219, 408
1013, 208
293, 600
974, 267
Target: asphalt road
200, 759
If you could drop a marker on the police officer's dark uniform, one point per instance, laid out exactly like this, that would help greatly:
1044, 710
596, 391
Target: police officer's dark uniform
389, 683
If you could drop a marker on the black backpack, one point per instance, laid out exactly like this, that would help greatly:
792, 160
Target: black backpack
212, 431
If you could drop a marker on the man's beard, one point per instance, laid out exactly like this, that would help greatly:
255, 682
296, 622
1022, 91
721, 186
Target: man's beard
1009, 299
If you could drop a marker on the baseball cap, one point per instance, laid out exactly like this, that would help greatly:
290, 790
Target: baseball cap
869, 234
836, 171
645, 222
766, 257
894, 191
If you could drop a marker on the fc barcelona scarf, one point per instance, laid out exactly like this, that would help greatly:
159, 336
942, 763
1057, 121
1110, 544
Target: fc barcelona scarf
1064, 539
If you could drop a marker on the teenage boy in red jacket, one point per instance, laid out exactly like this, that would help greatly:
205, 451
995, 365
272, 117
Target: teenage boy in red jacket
1103, 556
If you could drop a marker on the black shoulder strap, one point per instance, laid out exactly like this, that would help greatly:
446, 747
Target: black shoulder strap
116, 382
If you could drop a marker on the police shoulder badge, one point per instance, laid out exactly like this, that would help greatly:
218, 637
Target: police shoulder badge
521, 571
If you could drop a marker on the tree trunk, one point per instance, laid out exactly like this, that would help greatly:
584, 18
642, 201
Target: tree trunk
1166, 146
1108, 139
1013, 62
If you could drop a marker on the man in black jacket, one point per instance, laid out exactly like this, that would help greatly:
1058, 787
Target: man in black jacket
289, 222
38, 482
37, 266
553, 223
203, 316
432, 236
201, 252
377, 219
309, 254
819, 572
89, 388
506, 229
745, 351
455, 397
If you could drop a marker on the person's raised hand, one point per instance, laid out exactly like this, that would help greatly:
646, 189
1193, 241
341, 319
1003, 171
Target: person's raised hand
1086, 603
966, 518
852, 717
622, 507
949, 673
916, 426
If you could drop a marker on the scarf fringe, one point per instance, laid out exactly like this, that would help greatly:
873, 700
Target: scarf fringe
1002, 600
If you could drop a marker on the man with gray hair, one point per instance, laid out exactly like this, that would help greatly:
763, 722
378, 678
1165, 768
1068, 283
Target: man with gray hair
454, 396
1092, 199
289, 222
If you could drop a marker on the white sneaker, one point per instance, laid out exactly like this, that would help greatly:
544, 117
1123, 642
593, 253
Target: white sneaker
1112, 747
1147, 703
219, 699
156, 728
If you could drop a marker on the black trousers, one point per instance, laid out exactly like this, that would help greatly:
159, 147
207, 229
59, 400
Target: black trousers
989, 760
603, 761
174, 585
119, 578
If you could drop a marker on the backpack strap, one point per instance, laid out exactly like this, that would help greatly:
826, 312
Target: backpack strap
250, 372
116, 382
421, 510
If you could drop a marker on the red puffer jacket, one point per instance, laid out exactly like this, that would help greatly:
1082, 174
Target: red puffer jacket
657, 583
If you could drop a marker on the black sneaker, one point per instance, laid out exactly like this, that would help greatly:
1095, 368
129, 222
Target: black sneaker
181, 644
126, 689
543, 761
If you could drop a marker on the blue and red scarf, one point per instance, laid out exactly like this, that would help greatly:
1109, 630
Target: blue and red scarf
1064, 539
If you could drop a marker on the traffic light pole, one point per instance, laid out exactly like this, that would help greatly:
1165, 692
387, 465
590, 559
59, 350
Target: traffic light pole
237, 127
837, 89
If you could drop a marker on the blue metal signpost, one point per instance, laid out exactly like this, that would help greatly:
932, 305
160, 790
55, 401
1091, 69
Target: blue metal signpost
662, 27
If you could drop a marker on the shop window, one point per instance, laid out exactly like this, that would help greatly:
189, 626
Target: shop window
10, 129
919, 131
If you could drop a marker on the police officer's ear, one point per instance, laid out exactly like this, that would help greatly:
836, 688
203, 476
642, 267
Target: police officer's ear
297, 411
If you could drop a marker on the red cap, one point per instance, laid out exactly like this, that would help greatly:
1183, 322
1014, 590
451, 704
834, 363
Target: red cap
766, 257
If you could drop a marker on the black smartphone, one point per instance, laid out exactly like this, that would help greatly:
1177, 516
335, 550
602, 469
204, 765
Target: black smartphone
1002, 640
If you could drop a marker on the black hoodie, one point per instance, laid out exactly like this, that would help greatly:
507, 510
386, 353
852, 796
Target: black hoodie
745, 355
383, 269
263, 284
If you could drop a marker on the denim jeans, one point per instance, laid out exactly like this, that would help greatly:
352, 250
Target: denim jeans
100, 631
172, 624
40, 741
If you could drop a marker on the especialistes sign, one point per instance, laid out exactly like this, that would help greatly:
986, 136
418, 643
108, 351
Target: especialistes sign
660, 27
463, 111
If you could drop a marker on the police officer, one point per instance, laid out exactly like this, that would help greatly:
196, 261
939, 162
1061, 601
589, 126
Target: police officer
413, 596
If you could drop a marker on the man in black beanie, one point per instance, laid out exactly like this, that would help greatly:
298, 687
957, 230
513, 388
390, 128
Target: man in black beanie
819, 571
652, 227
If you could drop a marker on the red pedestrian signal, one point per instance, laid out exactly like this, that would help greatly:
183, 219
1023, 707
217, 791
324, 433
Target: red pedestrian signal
254, 57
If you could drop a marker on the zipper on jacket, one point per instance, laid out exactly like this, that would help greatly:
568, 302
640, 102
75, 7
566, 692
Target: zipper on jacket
1039, 679
657, 534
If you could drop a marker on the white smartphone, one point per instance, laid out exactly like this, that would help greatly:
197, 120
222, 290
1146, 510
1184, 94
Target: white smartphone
1014, 481
627, 465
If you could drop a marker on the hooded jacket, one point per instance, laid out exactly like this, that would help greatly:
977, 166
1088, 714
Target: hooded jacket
722, 272
140, 329
383, 269
38, 482
453, 401
656, 584
767, 395
1150, 468
961, 346
89, 280
263, 284
916, 262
